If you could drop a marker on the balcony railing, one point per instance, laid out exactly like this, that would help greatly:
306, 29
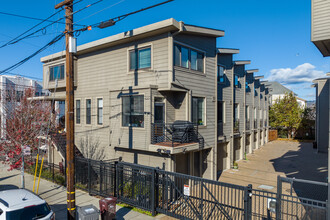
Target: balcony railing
236, 126
220, 129
247, 124
265, 123
175, 134
255, 124
261, 123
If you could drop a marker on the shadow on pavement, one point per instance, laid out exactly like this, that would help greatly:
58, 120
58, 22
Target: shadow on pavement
7, 177
305, 163
60, 211
122, 212
7, 187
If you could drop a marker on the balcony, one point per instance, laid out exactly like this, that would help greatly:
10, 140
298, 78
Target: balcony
176, 137
255, 124
236, 126
247, 124
220, 129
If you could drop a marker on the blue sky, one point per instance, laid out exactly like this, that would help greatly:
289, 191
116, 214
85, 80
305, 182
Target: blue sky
273, 34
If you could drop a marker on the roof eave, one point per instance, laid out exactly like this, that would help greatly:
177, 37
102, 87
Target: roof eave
242, 62
227, 51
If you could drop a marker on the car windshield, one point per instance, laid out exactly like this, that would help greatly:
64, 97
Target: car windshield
30, 212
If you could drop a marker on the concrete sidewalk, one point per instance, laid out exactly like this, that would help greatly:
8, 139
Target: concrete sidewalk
55, 195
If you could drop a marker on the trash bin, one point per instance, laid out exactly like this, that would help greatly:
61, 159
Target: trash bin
108, 208
88, 212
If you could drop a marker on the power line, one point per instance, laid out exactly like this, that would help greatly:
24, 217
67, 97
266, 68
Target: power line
113, 21
32, 18
13, 40
56, 39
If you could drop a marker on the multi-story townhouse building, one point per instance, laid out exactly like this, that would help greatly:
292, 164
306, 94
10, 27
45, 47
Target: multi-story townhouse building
225, 95
159, 95
322, 114
249, 112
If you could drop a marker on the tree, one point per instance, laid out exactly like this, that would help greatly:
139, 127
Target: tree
286, 113
23, 121
91, 149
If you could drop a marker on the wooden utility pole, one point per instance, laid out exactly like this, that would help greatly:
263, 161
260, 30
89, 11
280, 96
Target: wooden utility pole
69, 114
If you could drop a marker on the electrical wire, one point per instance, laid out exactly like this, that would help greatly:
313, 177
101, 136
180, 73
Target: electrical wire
14, 40
56, 39
113, 21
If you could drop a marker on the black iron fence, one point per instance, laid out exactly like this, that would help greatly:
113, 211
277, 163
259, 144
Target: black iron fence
189, 197
179, 132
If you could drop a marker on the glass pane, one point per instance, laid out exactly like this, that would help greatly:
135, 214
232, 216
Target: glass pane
132, 60
78, 111
220, 112
99, 111
88, 111
133, 111
62, 72
144, 58
193, 60
51, 74
198, 110
221, 78
200, 62
125, 111
184, 57
177, 51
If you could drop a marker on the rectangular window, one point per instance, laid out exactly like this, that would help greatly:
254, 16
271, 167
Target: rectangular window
88, 111
133, 111
247, 113
78, 111
198, 112
220, 112
236, 81
140, 58
221, 74
184, 57
255, 113
99, 111
188, 58
56, 72
236, 112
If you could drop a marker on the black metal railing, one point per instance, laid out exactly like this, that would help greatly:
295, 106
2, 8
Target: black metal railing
174, 134
236, 126
247, 124
220, 129
189, 197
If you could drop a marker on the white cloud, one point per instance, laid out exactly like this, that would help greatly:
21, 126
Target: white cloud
303, 73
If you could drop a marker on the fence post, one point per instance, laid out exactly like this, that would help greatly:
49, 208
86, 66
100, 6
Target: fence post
153, 200
115, 180
101, 177
278, 198
247, 202
156, 188
202, 199
89, 176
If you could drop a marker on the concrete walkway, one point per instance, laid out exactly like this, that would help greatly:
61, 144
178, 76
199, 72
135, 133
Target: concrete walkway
55, 195
285, 158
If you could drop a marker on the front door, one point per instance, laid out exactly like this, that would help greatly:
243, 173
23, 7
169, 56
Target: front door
159, 113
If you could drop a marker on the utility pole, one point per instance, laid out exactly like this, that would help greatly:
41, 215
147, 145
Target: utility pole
69, 114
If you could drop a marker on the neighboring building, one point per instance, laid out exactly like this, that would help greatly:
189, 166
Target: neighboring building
12, 88
134, 90
278, 91
320, 30
322, 114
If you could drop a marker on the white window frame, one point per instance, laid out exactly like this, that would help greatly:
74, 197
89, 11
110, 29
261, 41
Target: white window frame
97, 111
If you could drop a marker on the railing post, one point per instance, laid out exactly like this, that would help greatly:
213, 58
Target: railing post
153, 194
248, 202
89, 176
278, 198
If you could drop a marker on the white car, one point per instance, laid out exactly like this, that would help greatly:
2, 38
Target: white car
22, 204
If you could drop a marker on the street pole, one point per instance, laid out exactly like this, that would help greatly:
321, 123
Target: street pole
22, 167
69, 114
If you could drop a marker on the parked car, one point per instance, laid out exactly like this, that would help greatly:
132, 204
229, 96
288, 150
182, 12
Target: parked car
22, 204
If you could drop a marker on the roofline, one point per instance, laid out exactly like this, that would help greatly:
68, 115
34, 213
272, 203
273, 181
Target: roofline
259, 77
227, 50
301, 99
242, 62
319, 79
252, 71
164, 26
